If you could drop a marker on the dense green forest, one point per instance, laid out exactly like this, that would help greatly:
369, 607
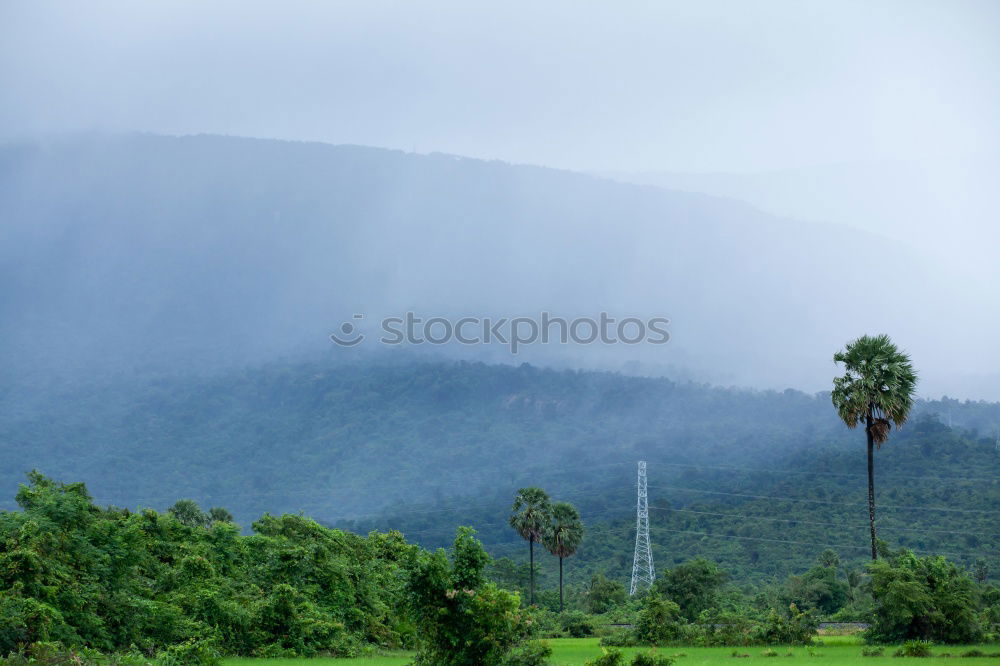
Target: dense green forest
186, 587
760, 481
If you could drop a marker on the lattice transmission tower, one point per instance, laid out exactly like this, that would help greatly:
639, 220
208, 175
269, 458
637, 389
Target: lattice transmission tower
642, 565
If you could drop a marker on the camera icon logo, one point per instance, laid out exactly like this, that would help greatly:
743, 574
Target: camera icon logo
349, 334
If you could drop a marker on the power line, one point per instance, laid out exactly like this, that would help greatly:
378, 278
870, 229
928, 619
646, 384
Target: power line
498, 523
817, 501
762, 539
812, 522
560, 469
834, 474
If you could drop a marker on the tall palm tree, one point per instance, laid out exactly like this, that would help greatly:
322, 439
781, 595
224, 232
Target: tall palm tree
876, 390
563, 537
530, 516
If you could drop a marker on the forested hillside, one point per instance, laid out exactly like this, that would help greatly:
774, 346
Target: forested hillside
760, 481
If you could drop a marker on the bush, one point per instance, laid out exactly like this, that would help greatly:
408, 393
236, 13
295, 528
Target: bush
872, 651
460, 618
980, 653
55, 654
190, 653
529, 653
916, 648
610, 657
576, 624
25, 621
793, 628
544, 623
604, 595
769, 653
620, 638
927, 598
659, 621
651, 659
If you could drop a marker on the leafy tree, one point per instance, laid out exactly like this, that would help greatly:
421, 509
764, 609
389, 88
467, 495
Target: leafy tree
510, 575
563, 537
876, 390
187, 512
981, 570
604, 594
692, 585
927, 598
794, 627
576, 624
217, 514
818, 588
461, 619
530, 516
829, 558
659, 622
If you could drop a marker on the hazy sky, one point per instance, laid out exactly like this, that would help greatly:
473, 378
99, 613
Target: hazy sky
681, 86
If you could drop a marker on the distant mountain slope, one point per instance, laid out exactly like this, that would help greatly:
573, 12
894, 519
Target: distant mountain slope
429, 446
124, 253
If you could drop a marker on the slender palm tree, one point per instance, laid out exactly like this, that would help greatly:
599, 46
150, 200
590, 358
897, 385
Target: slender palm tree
563, 537
876, 390
530, 516
853, 583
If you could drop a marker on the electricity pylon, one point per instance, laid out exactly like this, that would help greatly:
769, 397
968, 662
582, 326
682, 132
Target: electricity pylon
642, 565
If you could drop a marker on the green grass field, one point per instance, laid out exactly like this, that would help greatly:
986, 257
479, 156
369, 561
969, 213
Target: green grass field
829, 651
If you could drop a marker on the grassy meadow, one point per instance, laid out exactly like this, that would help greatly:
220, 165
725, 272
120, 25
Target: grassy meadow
828, 651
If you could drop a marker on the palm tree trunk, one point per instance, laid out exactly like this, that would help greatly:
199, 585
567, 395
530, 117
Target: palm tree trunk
871, 482
560, 586
531, 569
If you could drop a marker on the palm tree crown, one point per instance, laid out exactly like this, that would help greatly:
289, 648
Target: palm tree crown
566, 532
530, 514
878, 383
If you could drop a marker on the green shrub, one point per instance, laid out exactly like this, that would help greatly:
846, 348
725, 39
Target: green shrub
914, 648
792, 628
769, 653
461, 619
651, 659
25, 621
611, 657
872, 651
659, 622
604, 595
543, 623
620, 638
191, 653
927, 598
529, 653
576, 624
55, 654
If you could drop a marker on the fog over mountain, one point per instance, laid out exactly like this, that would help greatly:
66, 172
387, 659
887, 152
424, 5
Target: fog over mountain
854, 148
148, 253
